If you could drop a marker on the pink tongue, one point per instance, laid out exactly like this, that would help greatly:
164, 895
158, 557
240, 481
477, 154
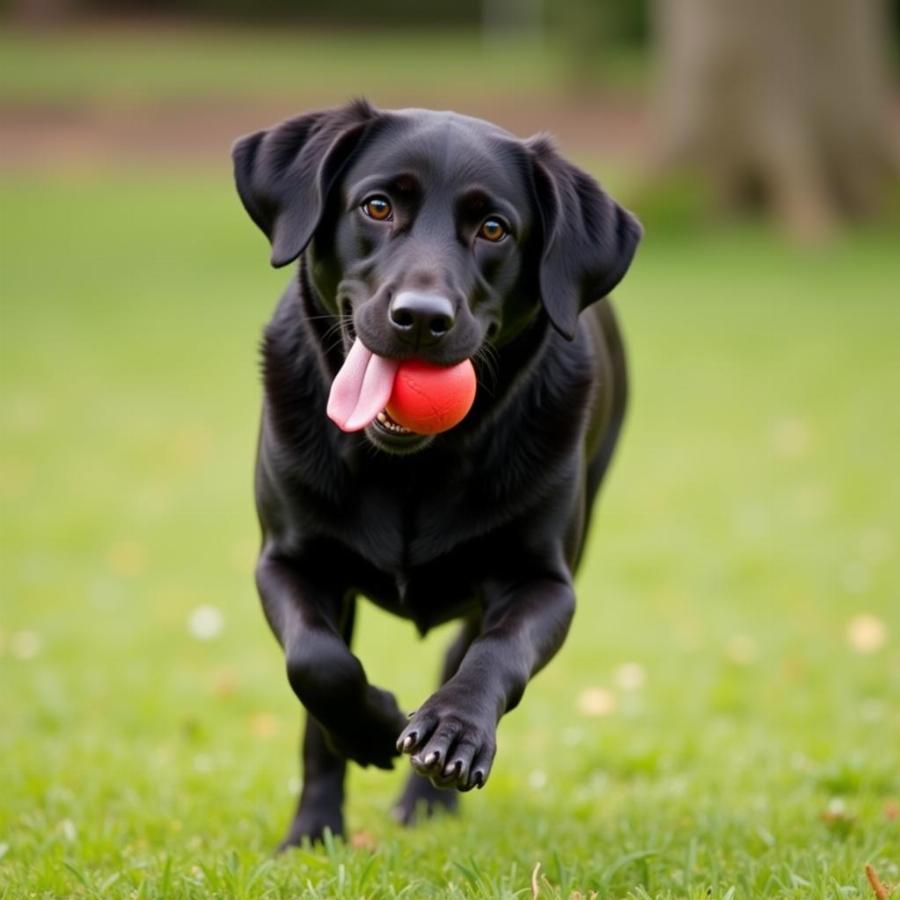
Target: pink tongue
361, 389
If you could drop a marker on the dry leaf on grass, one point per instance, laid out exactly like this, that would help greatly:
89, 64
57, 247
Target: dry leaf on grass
881, 891
363, 840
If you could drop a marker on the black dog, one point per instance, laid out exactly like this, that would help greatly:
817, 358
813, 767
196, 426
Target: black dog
434, 236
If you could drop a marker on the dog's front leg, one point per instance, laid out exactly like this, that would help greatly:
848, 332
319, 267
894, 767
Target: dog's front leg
452, 736
359, 721
321, 802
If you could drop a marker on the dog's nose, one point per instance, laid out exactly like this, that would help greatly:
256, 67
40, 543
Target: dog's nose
421, 318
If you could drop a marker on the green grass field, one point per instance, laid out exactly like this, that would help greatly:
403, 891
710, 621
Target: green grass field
721, 723
96, 67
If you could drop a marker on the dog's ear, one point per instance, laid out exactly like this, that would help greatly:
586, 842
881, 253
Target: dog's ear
284, 174
588, 239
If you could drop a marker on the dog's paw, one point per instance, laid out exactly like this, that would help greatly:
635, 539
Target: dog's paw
451, 747
311, 824
368, 736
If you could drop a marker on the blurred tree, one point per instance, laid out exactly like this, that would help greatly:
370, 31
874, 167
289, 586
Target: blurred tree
521, 18
589, 29
780, 105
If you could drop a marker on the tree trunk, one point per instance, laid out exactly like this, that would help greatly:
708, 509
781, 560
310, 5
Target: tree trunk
781, 104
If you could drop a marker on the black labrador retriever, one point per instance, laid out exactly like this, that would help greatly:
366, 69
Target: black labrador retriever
439, 237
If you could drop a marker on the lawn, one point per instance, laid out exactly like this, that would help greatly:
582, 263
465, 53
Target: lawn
722, 721
103, 66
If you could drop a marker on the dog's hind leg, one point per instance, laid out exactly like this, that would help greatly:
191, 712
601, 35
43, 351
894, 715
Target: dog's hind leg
420, 797
322, 797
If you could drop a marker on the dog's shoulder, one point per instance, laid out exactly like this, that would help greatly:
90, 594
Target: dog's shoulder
541, 426
296, 442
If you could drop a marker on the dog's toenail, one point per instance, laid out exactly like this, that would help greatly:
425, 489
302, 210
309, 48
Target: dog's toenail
432, 758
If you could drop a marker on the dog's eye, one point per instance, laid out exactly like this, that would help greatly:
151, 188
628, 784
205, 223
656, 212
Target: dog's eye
378, 208
492, 230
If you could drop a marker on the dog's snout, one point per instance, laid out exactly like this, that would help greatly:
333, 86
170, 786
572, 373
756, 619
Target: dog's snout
421, 318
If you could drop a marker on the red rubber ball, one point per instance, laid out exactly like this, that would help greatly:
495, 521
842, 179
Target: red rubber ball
429, 399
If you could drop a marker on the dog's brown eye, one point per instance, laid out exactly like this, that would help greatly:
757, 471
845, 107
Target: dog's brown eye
492, 230
378, 208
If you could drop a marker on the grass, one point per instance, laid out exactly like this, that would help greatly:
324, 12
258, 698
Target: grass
748, 523
722, 721
103, 67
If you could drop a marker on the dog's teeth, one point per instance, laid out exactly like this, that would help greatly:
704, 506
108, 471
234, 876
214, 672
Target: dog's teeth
389, 424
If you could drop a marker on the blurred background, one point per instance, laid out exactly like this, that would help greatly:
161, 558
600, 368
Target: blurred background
734, 665
785, 109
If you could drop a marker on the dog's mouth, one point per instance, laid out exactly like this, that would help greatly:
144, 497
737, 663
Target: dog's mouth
359, 396
386, 434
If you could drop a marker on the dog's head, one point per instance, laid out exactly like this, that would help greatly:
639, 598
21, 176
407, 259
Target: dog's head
432, 233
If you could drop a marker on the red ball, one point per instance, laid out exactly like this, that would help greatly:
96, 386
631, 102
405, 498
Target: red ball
429, 399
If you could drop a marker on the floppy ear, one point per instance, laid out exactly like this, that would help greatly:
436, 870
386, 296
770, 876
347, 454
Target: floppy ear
589, 240
284, 174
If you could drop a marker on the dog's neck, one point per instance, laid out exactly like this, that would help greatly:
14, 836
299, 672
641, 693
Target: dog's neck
319, 323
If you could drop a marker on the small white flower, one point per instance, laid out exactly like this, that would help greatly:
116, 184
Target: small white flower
67, 826
537, 779
203, 763
205, 623
630, 677
855, 578
25, 644
866, 633
596, 701
741, 650
871, 710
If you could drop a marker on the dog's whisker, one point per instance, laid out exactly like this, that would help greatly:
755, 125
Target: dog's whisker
338, 317
334, 345
335, 329
488, 367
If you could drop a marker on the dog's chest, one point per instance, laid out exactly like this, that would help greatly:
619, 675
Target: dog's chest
428, 595
411, 547
404, 526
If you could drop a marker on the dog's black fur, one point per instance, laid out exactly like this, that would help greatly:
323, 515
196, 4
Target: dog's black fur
484, 523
